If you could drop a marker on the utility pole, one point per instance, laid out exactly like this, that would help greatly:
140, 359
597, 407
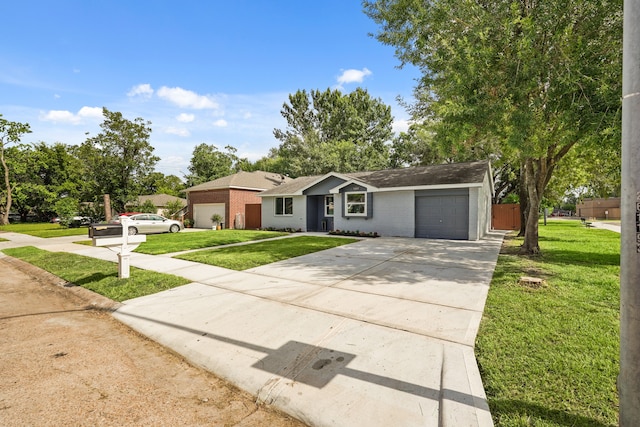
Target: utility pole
629, 380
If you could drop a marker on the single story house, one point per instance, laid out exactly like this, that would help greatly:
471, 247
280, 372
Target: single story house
233, 197
599, 208
448, 201
160, 201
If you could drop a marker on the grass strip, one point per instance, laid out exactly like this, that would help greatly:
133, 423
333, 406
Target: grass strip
549, 355
44, 229
256, 254
157, 244
97, 275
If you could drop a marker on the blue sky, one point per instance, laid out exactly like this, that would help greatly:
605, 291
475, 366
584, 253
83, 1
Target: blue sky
214, 72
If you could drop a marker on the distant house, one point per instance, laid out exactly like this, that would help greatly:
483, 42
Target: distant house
234, 197
599, 208
160, 201
450, 201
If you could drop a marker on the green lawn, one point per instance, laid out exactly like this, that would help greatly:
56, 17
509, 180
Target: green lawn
157, 244
97, 275
261, 253
44, 229
550, 356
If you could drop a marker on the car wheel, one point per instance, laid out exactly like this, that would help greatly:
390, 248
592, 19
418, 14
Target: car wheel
133, 231
174, 228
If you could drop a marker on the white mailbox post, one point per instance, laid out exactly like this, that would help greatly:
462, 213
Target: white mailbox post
124, 245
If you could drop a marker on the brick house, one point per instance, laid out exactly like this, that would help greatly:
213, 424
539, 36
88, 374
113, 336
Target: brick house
233, 197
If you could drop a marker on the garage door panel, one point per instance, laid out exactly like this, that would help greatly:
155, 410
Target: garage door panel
442, 216
202, 214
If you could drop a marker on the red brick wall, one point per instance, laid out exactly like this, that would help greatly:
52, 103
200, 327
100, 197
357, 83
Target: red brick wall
238, 200
234, 201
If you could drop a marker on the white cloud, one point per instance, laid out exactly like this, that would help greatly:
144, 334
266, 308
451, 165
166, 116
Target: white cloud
353, 76
186, 98
177, 131
185, 118
400, 126
220, 123
95, 112
144, 90
64, 116
60, 116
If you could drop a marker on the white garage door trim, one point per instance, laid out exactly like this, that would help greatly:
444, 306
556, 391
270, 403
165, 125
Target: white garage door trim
202, 214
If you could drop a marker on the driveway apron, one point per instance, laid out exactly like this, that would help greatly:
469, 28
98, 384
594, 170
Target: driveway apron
375, 333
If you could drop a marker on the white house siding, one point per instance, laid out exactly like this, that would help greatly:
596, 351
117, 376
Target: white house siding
474, 213
485, 207
479, 210
296, 221
392, 215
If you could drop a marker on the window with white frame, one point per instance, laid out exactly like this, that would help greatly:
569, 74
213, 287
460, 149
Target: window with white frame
284, 206
356, 203
328, 205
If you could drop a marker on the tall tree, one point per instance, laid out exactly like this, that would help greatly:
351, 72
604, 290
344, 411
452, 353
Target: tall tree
159, 183
328, 131
209, 163
29, 193
119, 158
537, 78
10, 133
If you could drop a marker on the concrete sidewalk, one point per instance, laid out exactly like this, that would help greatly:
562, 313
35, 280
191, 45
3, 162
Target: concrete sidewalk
375, 333
606, 226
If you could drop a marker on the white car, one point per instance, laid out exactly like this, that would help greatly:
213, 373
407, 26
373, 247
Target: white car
150, 223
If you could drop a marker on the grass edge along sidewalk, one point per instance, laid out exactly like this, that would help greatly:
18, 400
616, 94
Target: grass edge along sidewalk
549, 355
97, 275
102, 276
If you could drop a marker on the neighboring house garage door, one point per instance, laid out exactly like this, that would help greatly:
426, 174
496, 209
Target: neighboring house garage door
202, 214
442, 214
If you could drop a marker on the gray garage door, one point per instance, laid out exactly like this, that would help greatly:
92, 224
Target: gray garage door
442, 214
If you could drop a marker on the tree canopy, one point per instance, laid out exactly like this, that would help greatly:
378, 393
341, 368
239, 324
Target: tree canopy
526, 80
119, 158
330, 131
209, 163
10, 133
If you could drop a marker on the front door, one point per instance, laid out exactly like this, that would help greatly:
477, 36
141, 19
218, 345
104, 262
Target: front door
320, 213
326, 216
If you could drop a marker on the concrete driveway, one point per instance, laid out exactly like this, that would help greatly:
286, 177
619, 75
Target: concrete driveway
375, 333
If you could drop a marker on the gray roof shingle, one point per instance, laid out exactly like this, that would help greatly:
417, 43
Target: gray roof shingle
257, 180
444, 174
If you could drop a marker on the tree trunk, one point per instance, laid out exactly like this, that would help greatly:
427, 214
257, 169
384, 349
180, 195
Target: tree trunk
4, 219
524, 203
535, 178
